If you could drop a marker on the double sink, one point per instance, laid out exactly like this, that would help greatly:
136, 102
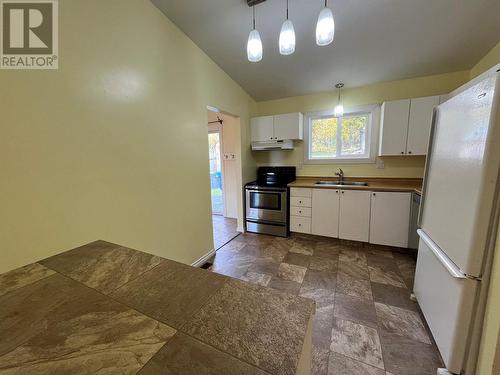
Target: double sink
341, 183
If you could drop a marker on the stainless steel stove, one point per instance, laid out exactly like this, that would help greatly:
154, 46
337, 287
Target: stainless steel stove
267, 201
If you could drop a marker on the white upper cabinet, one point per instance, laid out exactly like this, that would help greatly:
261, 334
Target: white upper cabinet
325, 208
277, 128
288, 126
419, 127
394, 127
262, 128
405, 126
354, 218
390, 218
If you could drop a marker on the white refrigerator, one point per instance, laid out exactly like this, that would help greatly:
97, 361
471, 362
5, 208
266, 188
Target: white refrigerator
457, 216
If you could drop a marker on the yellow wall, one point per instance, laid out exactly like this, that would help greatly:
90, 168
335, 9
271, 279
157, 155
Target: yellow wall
377, 93
491, 59
491, 329
113, 145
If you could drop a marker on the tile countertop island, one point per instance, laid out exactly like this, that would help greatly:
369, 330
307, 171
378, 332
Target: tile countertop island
374, 184
103, 308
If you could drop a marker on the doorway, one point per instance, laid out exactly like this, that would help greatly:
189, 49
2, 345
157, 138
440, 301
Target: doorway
223, 154
214, 157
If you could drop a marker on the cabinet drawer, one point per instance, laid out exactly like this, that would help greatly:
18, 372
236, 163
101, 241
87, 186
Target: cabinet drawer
300, 211
300, 224
300, 202
300, 192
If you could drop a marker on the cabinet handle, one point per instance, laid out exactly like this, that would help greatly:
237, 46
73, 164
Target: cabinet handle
374, 194
300, 201
402, 152
336, 191
343, 192
300, 225
409, 152
300, 212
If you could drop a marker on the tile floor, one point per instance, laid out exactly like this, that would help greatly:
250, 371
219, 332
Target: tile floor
365, 321
224, 230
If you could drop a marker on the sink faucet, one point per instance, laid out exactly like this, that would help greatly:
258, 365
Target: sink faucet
340, 173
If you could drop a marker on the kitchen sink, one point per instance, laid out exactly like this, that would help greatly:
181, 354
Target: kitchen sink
343, 183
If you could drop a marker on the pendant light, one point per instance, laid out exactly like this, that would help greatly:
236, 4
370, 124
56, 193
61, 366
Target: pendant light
325, 28
287, 36
254, 45
339, 108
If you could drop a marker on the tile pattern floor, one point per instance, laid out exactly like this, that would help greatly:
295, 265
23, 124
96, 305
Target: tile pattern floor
365, 322
224, 230
103, 308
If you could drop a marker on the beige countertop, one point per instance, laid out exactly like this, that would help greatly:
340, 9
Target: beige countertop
374, 184
109, 308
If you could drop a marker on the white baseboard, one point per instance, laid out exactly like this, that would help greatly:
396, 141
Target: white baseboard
200, 262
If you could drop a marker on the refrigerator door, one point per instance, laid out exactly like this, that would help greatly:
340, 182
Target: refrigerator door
446, 298
461, 175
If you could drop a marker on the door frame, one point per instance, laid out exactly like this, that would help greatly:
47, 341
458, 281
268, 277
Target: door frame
218, 128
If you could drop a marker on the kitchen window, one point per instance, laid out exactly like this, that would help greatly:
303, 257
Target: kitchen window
350, 138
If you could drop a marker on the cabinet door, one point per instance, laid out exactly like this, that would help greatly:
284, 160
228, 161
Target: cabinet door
288, 126
262, 128
354, 218
394, 127
325, 212
390, 218
419, 127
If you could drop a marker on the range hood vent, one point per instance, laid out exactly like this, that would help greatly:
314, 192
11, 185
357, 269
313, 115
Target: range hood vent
272, 145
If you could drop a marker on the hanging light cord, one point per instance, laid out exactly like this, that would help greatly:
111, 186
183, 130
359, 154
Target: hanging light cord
286, 9
340, 88
253, 7
326, 3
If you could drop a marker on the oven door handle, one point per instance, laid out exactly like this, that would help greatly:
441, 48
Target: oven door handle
266, 190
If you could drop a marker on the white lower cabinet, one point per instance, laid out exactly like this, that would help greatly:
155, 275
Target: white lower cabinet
381, 218
390, 218
325, 208
300, 210
354, 217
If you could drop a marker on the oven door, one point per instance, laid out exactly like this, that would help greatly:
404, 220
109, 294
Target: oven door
267, 205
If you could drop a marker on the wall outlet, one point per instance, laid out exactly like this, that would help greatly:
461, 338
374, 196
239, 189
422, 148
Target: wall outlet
379, 163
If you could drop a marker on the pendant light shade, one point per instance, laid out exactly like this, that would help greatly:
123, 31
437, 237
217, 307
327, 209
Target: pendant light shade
339, 110
254, 44
325, 28
287, 36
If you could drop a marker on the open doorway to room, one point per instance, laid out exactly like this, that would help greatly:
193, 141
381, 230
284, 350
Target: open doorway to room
214, 157
224, 148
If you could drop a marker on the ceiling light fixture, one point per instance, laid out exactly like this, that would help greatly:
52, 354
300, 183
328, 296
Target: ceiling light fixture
339, 108
287, 36
254, 45
325, 28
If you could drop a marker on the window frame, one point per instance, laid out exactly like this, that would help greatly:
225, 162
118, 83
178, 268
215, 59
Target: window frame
373, 112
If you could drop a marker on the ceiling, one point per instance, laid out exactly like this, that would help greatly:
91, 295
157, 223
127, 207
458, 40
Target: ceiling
375, 40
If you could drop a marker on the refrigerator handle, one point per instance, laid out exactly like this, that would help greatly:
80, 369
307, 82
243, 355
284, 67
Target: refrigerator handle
441, 256
427, 166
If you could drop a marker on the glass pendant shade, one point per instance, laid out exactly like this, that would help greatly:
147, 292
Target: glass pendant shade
287, 38
325, 28
339, 110
254, 46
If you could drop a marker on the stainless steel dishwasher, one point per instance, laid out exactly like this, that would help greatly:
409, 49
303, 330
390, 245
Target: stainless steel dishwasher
412, 235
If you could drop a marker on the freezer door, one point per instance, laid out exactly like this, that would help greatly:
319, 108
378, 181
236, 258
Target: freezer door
446, 298
461, 175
